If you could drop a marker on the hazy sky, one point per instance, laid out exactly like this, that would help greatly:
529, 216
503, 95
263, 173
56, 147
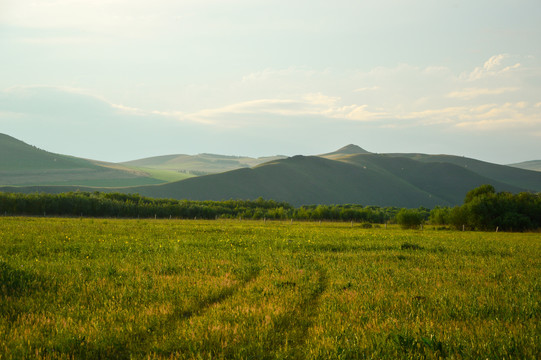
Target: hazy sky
124, 79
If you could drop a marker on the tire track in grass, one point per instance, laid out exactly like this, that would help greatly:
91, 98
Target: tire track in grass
137, 344
213, 299
293, 326
181, 315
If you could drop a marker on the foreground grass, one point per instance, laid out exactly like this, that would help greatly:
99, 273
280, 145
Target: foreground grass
89, 288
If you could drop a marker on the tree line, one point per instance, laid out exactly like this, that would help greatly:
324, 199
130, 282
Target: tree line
119, 205
483, 209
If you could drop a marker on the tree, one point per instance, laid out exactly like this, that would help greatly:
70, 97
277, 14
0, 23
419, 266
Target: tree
484, 209
409, 218
482, 190
440, 215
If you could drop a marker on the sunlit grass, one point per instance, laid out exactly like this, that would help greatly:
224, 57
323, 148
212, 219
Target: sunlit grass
93, 288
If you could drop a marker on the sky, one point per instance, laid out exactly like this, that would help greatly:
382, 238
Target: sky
118, 80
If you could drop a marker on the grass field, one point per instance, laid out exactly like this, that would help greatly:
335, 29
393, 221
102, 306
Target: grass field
168, 289
165, 175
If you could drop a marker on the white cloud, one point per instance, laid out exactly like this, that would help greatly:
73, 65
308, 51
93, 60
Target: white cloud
471, 93
401, 98
404, 95
482, 117
493, 67
320, 99
131, 110
310, 105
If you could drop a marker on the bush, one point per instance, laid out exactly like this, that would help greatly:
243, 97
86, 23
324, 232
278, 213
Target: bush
409, 218
440, 216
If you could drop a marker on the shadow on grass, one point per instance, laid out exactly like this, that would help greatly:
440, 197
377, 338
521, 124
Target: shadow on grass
124, 345
139, 341
290, 332
18, 283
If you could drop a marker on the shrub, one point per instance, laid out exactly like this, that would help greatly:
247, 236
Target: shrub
440, 216
409, 218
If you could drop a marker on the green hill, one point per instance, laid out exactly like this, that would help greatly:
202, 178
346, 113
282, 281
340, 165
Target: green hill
195, 165
445, 181
534, 165
366, 179
348, 175
297, 180
22, 164
350, 149
525, 179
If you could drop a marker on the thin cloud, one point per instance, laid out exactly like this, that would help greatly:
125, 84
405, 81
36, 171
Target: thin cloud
471, 93
483, 117
310, 105
493, 67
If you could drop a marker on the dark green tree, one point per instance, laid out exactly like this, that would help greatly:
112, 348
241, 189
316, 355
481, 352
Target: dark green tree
409, 218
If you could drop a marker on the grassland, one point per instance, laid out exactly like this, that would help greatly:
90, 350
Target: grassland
201, 163
165, 175
167, 289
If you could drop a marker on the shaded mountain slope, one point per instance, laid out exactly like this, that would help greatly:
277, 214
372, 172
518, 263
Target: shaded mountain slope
368, 179
534, 165
445, 181
348, 175
525, 179
299, 180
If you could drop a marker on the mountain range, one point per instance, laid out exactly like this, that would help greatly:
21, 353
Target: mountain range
348, 175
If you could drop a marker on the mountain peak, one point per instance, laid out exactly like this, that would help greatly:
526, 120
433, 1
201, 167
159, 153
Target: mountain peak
350, 149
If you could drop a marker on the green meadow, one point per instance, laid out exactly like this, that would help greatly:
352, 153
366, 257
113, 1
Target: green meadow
179, 289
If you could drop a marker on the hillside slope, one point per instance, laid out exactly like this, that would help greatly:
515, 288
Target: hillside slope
367, 179
445, 181
348, 175
299, 180
525, 179
534, 165
22, 164
200, 164
350, 149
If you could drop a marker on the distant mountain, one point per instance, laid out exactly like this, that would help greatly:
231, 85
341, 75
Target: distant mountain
23, 164
298, 180
346, 150
534, 165
368, 179
348, 175
521, 178
201, 164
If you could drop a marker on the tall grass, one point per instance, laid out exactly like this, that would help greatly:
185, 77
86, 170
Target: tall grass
161, 289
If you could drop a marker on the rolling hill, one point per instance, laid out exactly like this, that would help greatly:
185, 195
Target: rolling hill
196, 165
297, 180
350, 149
534, 165
525, 179
348, 175
364, 178
22, 164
